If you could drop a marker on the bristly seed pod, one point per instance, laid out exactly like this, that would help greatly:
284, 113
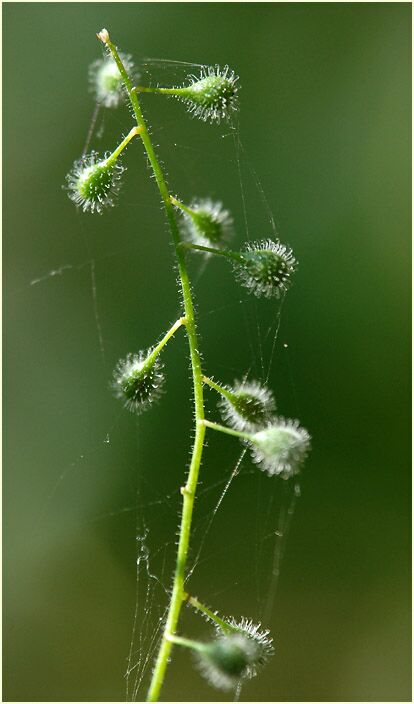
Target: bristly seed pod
225, 660
207, 223
235, 656
281, 448
138, 381
93, 183
262, 639
106, 82
265, 268
247, 406
212, 96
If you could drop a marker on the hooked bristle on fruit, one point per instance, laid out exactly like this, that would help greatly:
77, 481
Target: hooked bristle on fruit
232, 657
224, 661
261, 637
211, 96
93, 184
138, 381
209, 224
106, 82
281, 448
266, 268
249, 405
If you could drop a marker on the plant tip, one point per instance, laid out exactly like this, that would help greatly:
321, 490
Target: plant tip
103, 35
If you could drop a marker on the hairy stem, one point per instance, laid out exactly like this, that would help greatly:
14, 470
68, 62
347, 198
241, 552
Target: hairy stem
227, 431
157, 349
196, 604
187, 643
165, 91
220, 389
189, 491
115, 154
182, 206
213, 250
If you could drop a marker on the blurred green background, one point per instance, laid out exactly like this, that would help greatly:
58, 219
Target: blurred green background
325, 125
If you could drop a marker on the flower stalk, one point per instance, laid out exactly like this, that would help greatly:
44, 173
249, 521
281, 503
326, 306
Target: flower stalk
111, 159
178, 594
211, 615
213, 250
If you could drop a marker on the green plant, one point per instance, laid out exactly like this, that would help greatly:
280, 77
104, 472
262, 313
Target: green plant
238, 648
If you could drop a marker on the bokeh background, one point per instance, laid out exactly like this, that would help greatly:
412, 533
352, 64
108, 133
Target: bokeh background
324, 133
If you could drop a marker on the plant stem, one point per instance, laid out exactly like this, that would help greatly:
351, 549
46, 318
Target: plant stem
115, 154
166, 91
189, 490
224, 429
196, 604
182, 206
213, 250
157, 349
187, 643
220, 389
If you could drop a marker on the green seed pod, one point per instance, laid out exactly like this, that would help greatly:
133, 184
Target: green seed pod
261, 638
280, 448
266, 268
94, 183
212, 96
106, 82
247, 406
138, 381
227, 659
207, 223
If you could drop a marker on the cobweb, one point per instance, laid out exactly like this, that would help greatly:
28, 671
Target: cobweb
272, 501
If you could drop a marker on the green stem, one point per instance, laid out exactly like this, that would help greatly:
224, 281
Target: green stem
183, 207
187, 643
189, 490
157, 349
115, 154
211, 615
227, 431
213, 250
220, 389
166, 91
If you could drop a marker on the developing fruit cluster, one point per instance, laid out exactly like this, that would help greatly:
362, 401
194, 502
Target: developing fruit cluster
278, 446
